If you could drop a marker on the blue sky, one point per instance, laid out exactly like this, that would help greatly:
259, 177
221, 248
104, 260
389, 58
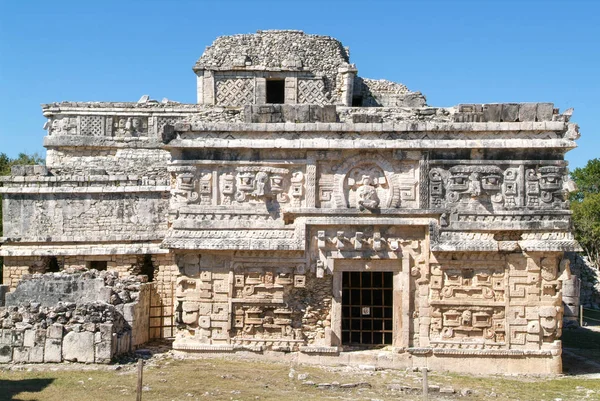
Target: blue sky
452, 51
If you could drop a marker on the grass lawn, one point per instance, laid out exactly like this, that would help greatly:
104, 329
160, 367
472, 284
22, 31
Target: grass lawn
166, 378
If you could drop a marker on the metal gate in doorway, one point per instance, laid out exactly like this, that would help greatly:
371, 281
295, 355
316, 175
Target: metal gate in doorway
161, 314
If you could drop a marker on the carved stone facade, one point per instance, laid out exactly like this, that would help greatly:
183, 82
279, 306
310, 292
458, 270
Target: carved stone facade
316, 226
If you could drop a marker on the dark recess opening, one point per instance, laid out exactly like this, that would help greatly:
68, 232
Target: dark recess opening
98, 264
53, 266
367, 308
147, 267
357, 101
276, 91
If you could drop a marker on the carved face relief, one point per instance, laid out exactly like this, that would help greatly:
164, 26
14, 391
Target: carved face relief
474, 181
365, 187
546, 184
549, 268
548, 320
260, 183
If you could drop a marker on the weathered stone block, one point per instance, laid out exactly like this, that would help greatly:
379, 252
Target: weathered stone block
103, 352
21, 354
55, 331
6, 353
53, 350
29, 338
5, 336
17, 170
510, 112
78, 347
105, 331
129, 312
36, 354
492, 112
527, 111
545, 111
17, 338
329, 113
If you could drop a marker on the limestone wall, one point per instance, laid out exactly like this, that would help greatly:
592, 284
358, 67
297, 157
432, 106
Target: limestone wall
87, 317
85, 217
147, 163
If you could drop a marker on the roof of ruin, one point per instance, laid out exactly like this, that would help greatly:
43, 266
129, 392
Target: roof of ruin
274, 49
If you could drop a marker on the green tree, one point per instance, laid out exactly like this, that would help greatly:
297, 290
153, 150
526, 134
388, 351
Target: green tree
585, 204
5, 165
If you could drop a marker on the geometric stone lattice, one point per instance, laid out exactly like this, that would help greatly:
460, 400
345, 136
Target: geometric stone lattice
233, 92
311, 91
91, 125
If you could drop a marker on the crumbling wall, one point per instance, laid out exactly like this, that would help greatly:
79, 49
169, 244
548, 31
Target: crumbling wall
85, 317
589, 296
381, 92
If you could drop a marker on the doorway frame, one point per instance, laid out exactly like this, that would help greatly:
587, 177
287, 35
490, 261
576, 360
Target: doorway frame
400, 290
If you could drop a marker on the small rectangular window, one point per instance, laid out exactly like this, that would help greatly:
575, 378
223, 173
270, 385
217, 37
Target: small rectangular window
276, 91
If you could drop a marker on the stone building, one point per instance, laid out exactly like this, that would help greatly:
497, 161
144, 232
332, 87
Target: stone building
300, 208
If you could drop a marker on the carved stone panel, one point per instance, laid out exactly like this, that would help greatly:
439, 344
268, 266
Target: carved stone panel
368, 183
497, 187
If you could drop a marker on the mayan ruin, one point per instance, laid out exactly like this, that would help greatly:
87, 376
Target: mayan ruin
297, 208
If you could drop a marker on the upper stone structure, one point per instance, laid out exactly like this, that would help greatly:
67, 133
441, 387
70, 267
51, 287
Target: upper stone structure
289, 67
298, 207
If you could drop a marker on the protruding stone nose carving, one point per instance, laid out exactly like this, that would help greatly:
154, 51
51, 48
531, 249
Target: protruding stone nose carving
475, 185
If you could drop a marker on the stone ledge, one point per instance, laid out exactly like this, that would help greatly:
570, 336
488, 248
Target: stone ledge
479, 352
360, 143
206, 347
309, 349
541, 126
84, 190
85, 249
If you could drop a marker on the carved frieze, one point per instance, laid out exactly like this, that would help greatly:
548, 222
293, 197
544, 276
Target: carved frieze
368, 183
64, 125
208, 185
454, 284
363, 239
468, 323
129, 126
495, 187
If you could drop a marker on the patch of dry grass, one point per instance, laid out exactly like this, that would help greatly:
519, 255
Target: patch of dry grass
226, 379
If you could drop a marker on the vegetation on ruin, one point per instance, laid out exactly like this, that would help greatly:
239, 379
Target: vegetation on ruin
5, 165
585, 204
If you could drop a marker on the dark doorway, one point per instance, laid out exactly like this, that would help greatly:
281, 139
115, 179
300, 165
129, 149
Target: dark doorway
367, 311
53, 265
147, 267
98, 264
276, 91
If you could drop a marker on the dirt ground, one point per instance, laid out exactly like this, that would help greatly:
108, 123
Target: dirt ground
168, 377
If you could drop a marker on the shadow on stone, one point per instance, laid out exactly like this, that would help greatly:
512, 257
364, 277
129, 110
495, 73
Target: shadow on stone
12, 388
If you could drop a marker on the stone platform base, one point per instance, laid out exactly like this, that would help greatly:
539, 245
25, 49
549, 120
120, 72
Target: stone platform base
489, 362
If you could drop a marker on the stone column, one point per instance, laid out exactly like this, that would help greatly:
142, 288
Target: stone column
260, 91
291, 90
208, 88
200, 86
348, 72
